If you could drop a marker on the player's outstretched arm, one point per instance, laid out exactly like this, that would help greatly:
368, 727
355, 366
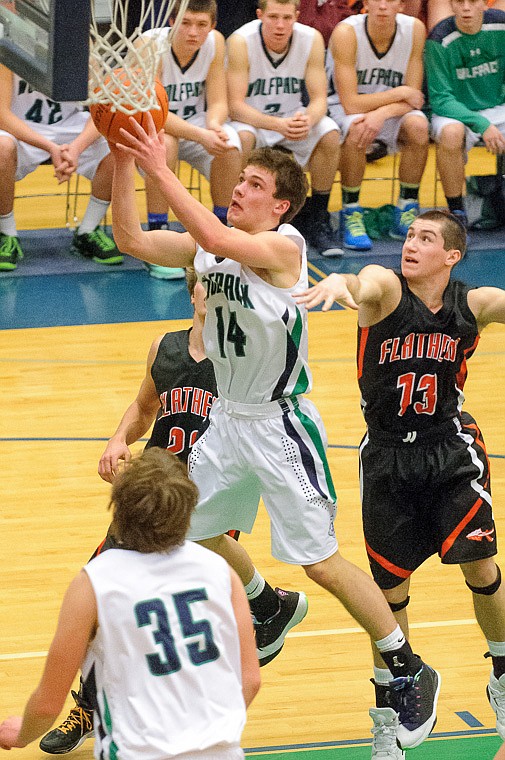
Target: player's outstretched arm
488, 305
135, 422
334, 288
76, 628
163, 247
251, 679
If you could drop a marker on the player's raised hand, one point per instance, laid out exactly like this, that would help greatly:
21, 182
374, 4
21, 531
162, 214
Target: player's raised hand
332, 288
146, 147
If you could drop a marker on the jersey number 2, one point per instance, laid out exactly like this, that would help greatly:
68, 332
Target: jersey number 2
427, 385
153, 612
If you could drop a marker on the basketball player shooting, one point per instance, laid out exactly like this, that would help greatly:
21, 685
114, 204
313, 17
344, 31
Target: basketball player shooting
264, 438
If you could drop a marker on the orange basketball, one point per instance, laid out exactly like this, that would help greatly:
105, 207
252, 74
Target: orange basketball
109, 122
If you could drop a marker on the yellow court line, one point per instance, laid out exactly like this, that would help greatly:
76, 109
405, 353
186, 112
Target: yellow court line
316, 270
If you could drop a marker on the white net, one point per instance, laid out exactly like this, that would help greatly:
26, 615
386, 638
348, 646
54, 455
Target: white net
123, 63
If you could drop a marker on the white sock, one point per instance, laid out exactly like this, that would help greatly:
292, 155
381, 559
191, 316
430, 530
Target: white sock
8, 224
496, 648
395, 640
382, 676
95, 212
255, 585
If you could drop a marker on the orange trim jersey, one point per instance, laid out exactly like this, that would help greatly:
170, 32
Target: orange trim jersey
412, 364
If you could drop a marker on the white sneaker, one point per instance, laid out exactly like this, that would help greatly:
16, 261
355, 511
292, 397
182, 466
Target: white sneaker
496, 696
384, 730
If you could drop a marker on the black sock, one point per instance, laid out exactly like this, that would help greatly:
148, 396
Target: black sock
409, 192
319, 201
403, 661
265, 606
498, 665
381, 694
456, 203
350, 195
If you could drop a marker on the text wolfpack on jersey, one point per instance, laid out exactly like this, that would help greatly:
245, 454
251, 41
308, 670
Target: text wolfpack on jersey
436, 346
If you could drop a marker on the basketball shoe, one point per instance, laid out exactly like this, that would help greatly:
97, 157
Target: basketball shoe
10, 252
415, 700
496, 696
352, 228
403, 218
97, 246
270, 635
74, 730
384, 731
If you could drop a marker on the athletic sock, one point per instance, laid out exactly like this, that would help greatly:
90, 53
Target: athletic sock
95, 212
398, 655
350, 195
157, 221
408, 193
221, 213
455, 203
319, 201
8, 224
497, 652
263, 600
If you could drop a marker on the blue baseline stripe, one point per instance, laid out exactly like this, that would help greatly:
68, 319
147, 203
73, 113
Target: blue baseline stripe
469, 719
21, 439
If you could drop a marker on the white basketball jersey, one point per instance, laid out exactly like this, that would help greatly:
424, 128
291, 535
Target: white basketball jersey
36, 108
186, 86
166, 656
376, 72
254, 333
275, 87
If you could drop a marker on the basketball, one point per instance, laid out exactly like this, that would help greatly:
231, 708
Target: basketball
109, 122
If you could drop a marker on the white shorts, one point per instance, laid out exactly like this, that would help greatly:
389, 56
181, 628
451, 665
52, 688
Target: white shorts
301, 149
495, 115
280, 455
389, 132
195, 154
29, 157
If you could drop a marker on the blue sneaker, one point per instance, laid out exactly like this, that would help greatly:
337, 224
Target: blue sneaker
352, 229
403, 218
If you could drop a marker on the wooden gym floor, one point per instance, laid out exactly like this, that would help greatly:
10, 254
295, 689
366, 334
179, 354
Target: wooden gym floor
65, 389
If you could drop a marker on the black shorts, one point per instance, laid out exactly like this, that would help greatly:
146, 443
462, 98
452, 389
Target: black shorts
425, 497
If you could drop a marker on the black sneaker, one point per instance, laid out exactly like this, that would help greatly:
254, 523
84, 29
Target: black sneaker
10, 252
320, 235
270, 635
72, 732
415, 700
97, 246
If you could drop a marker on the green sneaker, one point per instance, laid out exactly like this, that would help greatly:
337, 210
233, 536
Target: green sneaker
97, 246
10, 252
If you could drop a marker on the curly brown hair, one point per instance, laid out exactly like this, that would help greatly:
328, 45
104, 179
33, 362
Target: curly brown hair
152, 501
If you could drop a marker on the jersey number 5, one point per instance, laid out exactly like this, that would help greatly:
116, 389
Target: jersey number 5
153, 612
427, 386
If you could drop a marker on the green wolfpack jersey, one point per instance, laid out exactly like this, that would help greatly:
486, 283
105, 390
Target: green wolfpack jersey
185, 87
255, 334
376, 72
275, 87
466, 72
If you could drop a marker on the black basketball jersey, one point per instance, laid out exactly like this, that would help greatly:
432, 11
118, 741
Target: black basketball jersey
187, 390
412, 364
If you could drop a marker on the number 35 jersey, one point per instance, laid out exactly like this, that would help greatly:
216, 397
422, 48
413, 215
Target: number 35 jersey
254, 333
412, 364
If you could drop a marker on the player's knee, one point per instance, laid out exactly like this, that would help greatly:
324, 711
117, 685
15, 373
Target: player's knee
452, 137
8, 149
416, 132
488, 590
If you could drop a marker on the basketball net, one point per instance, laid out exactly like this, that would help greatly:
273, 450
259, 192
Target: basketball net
122, 65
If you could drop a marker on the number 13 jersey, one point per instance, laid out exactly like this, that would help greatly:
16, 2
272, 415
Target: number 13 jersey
412, 364
254, 333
